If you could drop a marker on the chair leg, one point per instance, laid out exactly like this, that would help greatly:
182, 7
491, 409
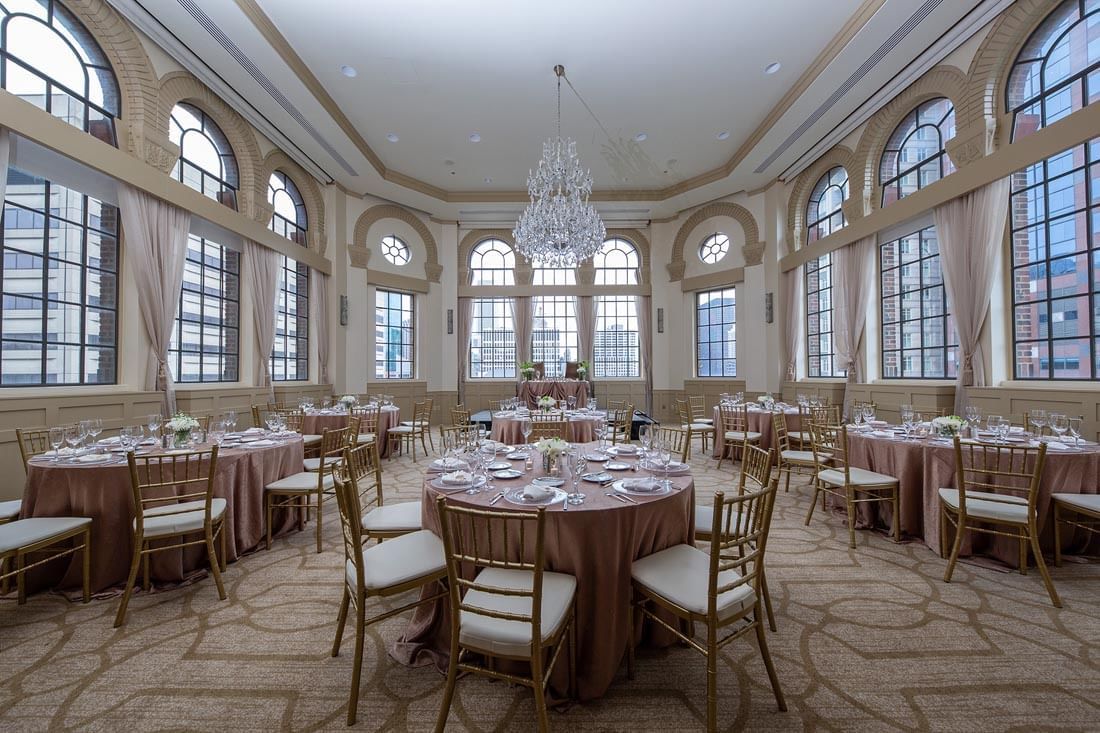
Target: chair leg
267, 512
573, 653
849, 500
762, 642
767, 600
215, 564
787, 488
145, 573
449, 690
357, 664
134, 563
943, 531
20, 580
1023, 555
1043, 571
960, 530
630, 638
897, 514
341, 621
222, 555
537, 674
87, 564
320, 502
712, 674
813, 502
1057, 536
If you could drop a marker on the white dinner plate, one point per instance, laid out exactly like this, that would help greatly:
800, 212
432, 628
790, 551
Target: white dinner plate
438, 484
623, 489
507, 473
515, 496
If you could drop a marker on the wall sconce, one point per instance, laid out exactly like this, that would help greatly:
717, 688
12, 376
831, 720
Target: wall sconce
660, 320
450, 321
343, 310
769, 310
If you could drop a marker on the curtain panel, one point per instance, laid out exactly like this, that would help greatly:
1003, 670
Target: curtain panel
465, 326
970, 230
645, 344
522, 318
156, 239
792, 335
263, 271
319, 299
585, 308
852, 267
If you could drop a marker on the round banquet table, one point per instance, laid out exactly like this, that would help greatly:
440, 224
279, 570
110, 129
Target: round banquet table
581, 427
760, 421
595, 542
103, 492
316, 422
925, 465
559, 389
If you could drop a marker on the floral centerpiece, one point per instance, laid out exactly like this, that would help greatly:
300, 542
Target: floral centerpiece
766, 400
546, 403
582, 370
181, 426
349, 401
948, 426
527, 369
552, 450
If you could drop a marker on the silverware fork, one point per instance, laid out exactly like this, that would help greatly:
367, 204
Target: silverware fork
496, 498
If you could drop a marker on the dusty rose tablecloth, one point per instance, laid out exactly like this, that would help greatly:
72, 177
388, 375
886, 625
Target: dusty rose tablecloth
760, 421
317, 422
531, 390
581, 428
103, 493
595, 542
925, 466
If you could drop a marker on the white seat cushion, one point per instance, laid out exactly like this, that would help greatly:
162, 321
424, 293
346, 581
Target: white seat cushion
704, 420
24, 532
699, 427
859, 477
750, 436
513, 638
704, 517
10, 509
1084, 502
400, 560
799, 436
1010, 509
414, 423
188, 516
295, 483
314, 464
401, 430
401, 517
312, 440
805, 457
365, 438
681, 574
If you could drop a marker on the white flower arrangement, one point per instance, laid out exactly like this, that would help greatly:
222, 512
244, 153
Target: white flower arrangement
948, 425
551, 447
349, 401
766, 400
547, 402
182, 423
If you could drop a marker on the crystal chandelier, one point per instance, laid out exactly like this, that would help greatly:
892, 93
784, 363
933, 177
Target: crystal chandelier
559, 228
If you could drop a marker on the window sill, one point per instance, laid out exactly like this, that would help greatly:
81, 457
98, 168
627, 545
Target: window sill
1075, 385
946, 382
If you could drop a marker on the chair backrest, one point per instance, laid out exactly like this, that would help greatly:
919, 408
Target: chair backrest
825, 414
259, 412
458, 436
676, 438
739, 537
363, 469
779, 429
351, 523
493, 539
368, 418
830, 443
160, 480
496, 405
683, 409
616, 404
622, 420
32, 442
422, 413
354, 428
460, 415
1010, 470
698, 404
294, 420
333, 443
931, 412
552, 425
756, 469
735, 418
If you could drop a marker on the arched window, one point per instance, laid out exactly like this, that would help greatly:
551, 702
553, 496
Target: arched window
615, 347
616, 263
915, 155
714, 248
206, 336
492, 263
206, 161
395, 251
1056, 70
824, 213
49, 58
553, 275
290, 349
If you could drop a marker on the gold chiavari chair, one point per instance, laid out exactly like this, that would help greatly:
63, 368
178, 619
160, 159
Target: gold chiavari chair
495, 406
9, 512
295, 420
613, 405
833, 475
736, 434
368, 415
41, 536
790, 459
512, 608
453, 437
823, 415
405, 434
720, 590
298, 490
800, 438
549, 425
676, 438
460, 416
384, 570
698, 406
32, 442
331, 441
382, 521
703, 430
174, 499
621, 421
1074, 510
998, 495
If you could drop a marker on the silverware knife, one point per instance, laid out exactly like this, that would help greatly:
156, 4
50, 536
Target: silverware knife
615, 496
496, 498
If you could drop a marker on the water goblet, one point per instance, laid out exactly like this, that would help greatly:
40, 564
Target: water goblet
126, 438
1038, 420
94, 426
57, 439
1059, 424
868, 414
577, 467
73, 437
477, 466
525, 428
153, 422
571, 401
992, 422
973, 415
1074, 426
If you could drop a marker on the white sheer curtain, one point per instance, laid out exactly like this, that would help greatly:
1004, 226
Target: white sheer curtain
5, 156
585, 307
319, 299
263, 270
521, 322
970, 230
852, 268
156, 241
465, 326
792, 297
645, 345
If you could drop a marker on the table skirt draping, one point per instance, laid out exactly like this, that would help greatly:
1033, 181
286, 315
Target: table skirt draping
559, 389
581, 429
760, 421
596, 542
925, 466
104, 493
317, 422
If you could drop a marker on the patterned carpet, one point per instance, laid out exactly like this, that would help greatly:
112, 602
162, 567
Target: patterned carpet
869, 639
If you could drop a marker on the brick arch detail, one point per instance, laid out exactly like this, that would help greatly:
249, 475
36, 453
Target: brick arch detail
307, 185
432, 269
804, 184
743, 216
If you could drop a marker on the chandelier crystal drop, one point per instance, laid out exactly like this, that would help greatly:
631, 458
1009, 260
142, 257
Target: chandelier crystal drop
559, 228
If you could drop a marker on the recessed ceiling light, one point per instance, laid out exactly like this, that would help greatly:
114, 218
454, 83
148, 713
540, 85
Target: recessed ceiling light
348, 71
640, 137
488, 179
723, 135
773, 67
475, 137
392, 137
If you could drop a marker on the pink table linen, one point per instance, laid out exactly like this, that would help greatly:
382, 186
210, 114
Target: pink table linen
924, 466
103, 492
581, 428
315, 423
531, 390
595, 542
760, 421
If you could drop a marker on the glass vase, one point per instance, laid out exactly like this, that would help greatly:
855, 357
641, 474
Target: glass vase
181, 439
551, 465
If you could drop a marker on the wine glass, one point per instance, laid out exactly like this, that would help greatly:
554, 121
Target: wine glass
857, 415
1059, 424
1038, 420
1074, 425
525, 429
973, 415
645, 440
868, 414
577, 467
94, 428
907, 419
126, 438
477, 464
57, 439
73, 436
662, 448
571, 402
153, 423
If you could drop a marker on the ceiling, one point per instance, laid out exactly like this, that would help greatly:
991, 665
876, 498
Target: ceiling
432, 73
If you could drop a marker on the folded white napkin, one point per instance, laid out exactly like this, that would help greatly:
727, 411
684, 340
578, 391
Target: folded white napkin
536, 492
627, 449
260, 443
642, 485
882, 433
110, 441
450, 462
1057, 446
253, 431
457, 477
93, 458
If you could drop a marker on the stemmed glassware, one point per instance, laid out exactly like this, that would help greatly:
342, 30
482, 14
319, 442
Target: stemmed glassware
1038, 420
571, 402
525, 428
477, 463
662, 455
973, 416
153, 422
999, 426
231, 420
1074, 426
73, 436
92, 428
1059, 424
57, 439
907, 419
868, 414
577, 466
